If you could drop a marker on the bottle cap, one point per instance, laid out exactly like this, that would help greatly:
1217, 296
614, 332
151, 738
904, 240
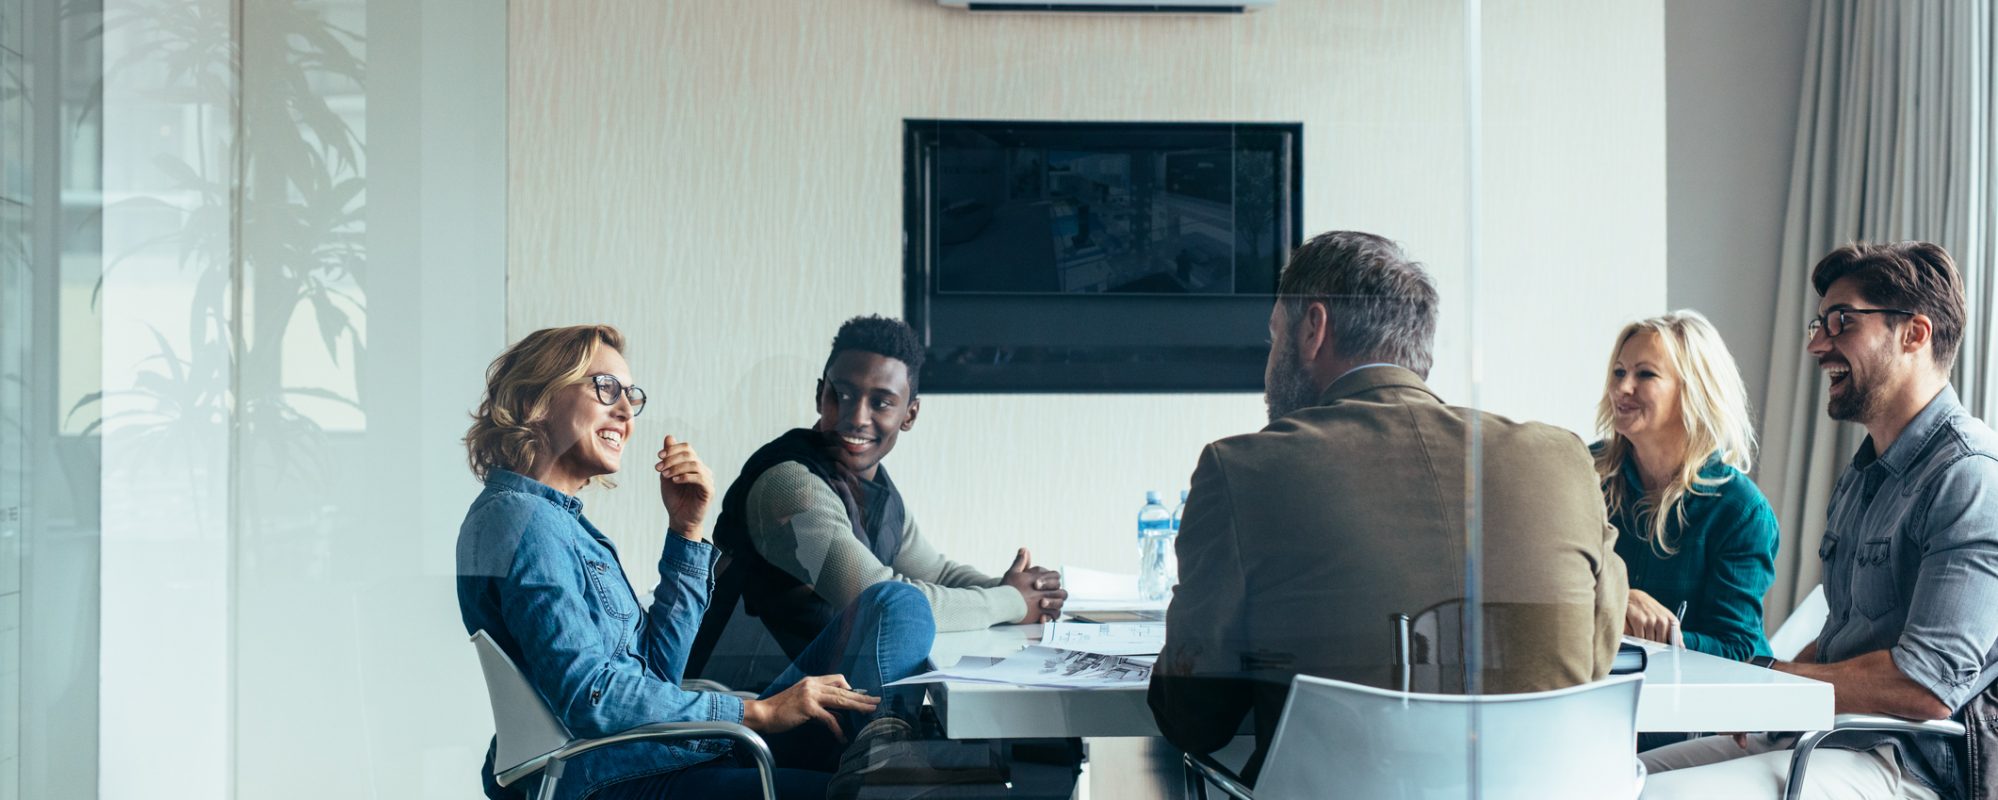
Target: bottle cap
1152, 496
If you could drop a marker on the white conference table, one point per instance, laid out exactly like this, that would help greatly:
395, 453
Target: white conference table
1684, 691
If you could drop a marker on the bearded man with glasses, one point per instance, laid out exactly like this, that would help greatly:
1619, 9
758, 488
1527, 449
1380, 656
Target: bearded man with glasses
1910, 550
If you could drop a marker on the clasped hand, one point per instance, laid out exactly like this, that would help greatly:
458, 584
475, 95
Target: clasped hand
1040, 587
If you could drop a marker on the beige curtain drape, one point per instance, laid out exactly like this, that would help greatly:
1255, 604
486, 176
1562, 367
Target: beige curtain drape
1894, 141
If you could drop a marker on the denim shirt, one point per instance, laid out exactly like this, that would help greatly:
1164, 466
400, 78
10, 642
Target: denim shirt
1911, 566
547, 586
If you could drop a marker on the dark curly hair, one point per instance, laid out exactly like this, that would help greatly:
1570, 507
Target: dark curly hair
882, 336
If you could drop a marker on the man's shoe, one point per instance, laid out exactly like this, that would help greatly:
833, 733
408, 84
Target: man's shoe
887, 753
861, 758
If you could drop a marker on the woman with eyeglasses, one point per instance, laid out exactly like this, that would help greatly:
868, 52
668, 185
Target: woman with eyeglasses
1696, 536
548, 586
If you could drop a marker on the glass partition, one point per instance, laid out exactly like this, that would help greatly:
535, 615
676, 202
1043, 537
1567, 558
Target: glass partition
258, 256
51, 428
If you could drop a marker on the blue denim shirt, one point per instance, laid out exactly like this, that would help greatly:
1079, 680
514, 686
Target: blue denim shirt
547, 586
1911, 566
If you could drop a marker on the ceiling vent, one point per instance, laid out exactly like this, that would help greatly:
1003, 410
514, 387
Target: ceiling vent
1110, 6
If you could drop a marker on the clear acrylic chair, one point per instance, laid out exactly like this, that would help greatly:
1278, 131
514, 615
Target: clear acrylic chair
1345, 740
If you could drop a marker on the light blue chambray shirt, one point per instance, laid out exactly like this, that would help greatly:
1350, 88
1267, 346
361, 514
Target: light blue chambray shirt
546, 585
1911, 566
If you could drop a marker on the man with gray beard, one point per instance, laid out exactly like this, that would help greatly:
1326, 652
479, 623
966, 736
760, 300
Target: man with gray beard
1300, 540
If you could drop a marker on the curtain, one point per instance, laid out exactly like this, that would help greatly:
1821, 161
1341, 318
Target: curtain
1894, 141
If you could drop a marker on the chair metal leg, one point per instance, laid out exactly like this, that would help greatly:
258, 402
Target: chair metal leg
1207, 770
1404, 673
1800, 757
766, 766
549, 777
1196, 786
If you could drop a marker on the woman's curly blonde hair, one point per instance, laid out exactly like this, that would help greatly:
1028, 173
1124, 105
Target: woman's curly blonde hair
507, 429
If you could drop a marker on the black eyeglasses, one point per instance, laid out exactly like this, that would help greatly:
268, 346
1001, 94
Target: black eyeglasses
1835, 321
609, 388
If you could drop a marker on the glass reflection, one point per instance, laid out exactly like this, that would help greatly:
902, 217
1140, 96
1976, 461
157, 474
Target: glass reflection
50, 191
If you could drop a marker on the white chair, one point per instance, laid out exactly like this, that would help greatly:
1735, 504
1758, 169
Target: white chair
1344, 740
1802, 626
531, 741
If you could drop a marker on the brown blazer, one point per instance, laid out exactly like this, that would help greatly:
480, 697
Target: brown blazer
1300, 541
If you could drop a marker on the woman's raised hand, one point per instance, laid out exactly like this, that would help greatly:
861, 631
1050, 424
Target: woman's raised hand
685, 487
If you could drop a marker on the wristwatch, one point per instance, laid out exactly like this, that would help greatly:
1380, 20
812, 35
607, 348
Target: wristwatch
1765, 662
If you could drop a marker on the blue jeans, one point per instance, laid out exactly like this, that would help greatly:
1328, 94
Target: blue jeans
884, 636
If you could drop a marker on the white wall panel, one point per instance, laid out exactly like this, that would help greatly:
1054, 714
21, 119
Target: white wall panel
722, 181
1735, 72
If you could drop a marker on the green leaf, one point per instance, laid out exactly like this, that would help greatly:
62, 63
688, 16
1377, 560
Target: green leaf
332, 322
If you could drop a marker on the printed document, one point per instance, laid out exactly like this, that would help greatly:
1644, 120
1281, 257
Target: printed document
1046, 667
1112, 639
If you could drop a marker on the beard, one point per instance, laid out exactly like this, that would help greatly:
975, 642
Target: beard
1860, 396
1854, 404
1288, 388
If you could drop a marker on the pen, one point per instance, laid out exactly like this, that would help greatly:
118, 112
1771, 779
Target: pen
1682, 612
1679, 625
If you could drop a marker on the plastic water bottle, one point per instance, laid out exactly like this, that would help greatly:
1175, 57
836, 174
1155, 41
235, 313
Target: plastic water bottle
1154, 547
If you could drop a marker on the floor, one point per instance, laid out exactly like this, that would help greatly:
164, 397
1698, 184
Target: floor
1142, 769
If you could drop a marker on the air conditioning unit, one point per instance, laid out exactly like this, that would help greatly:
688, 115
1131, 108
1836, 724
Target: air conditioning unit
1111, 6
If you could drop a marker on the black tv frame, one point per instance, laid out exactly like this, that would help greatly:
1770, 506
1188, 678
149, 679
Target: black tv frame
1087, 368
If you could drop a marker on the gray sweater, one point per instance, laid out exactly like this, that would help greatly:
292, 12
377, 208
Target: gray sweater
800, 526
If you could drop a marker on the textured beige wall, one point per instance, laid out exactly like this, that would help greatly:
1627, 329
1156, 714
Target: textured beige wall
722, 180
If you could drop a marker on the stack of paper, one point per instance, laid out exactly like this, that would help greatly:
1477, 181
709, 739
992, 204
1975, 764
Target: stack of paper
1045, 667
1113, 639
1096, 590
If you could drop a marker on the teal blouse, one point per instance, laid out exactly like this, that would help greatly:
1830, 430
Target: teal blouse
1725, 560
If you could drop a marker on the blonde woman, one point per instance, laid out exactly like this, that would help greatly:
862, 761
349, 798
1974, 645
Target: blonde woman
534, 573
1697, 537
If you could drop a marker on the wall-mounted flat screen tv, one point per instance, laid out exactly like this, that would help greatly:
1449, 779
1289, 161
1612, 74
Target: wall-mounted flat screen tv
1096, 256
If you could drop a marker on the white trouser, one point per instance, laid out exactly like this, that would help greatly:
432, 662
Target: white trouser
1713, 766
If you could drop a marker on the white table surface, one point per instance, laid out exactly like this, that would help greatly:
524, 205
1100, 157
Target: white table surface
1684, 691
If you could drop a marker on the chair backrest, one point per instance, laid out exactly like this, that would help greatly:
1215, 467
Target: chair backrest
523, 725
1436, 656
1339, 739
1802, 627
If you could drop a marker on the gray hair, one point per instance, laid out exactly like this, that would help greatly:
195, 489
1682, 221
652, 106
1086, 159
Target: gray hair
1382, 306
